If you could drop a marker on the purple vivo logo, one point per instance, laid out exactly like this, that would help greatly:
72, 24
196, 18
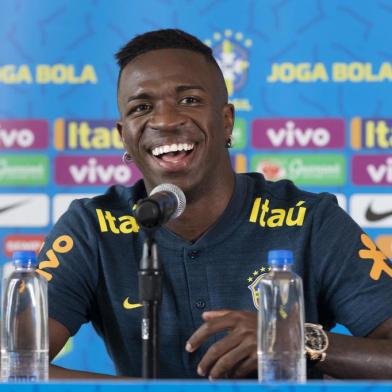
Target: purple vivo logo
23, 134
372, 169
99, 170
298, 133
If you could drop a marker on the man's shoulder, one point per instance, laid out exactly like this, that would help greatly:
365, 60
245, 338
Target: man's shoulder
284, 190
116, 197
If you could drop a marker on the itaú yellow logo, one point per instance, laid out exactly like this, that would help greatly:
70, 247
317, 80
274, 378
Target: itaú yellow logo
128, 305
277, 217
124, 224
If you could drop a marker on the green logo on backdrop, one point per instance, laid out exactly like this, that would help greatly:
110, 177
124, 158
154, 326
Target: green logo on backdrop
303, 169
239, 133
24, 170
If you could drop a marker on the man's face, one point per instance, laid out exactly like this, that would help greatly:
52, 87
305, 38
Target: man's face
174, 119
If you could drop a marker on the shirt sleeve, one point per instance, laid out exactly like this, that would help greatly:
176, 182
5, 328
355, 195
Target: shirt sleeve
354, 277
68, 261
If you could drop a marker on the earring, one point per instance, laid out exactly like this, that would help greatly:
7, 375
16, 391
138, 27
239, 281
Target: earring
126, 158
229, 142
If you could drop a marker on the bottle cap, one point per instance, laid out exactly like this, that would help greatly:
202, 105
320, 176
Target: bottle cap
280, 257
24, 258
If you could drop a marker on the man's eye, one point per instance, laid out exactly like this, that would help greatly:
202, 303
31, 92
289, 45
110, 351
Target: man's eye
143, 107
189, 100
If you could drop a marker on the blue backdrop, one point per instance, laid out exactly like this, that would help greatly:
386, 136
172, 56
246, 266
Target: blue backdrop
311, 81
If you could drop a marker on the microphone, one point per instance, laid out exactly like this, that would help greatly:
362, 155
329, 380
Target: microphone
165, 202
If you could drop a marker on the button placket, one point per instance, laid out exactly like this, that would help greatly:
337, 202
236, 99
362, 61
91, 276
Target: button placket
200, 304
194, 254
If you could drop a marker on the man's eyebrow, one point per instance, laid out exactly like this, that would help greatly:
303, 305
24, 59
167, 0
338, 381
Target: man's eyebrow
179, 89
138, 96
186, 87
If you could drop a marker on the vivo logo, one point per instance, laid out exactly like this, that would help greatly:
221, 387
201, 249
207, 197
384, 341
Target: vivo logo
372, 169
23, 138
23, 134
93, 172
381, 172
104, 170
292, 135
298, 133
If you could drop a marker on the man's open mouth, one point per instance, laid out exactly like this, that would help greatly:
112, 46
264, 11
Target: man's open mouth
173, 152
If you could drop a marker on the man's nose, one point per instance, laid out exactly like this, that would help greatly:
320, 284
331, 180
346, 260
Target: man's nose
166, 117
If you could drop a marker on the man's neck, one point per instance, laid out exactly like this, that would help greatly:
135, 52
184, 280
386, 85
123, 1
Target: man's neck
203, 210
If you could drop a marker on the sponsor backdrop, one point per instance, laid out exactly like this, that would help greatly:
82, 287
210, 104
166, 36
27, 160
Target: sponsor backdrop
311, 81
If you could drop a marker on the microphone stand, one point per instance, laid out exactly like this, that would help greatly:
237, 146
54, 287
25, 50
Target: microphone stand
166, 201
150, 295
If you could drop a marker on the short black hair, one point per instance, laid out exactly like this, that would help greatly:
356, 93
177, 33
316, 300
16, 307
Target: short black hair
163, 39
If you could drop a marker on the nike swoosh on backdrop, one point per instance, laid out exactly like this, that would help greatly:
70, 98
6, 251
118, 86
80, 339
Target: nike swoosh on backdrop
12, 206
372, 216
127, 305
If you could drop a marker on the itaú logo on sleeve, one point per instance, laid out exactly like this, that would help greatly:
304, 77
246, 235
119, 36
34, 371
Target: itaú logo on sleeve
100, 170
372, 209
298, 133
23, 134
372, 170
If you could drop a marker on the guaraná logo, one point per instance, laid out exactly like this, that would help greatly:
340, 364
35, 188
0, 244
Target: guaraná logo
303, 169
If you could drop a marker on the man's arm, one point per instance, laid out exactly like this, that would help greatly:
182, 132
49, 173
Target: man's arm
58, 336
359, 357
236, 354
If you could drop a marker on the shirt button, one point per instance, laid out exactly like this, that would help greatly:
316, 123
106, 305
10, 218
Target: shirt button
194, 254
200, 304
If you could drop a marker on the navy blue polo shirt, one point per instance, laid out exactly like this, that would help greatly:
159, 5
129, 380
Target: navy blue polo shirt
91, 260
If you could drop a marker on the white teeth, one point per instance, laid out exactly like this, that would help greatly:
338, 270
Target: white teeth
172, 148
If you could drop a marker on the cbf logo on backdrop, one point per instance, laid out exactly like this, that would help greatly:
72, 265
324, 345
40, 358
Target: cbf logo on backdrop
231, 51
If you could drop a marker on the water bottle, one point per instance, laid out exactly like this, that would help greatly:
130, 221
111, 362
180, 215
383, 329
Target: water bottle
24, 322
281, 350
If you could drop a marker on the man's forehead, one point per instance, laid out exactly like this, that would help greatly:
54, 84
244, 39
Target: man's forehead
164, 63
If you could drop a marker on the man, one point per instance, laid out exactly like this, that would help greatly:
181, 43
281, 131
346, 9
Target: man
176, 125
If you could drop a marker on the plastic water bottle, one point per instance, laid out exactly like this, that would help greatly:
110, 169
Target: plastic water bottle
281, 350
24, 322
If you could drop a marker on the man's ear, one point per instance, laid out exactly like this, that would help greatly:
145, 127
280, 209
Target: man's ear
119, 127
228, 119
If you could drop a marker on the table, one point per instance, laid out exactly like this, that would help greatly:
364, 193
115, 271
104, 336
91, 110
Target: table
198, 386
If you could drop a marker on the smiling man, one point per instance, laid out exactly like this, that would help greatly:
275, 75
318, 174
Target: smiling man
176, 123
